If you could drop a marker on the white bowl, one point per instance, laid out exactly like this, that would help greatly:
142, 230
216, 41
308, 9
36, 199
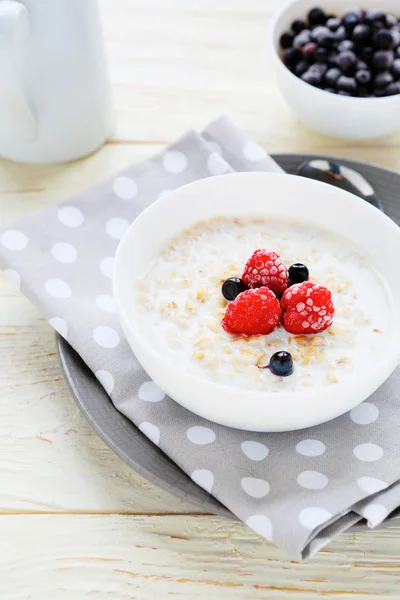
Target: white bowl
268, 194
338, 116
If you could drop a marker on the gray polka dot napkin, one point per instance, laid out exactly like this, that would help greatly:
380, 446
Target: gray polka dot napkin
298, 489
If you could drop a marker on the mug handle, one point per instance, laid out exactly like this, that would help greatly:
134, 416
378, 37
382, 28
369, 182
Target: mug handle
14, 33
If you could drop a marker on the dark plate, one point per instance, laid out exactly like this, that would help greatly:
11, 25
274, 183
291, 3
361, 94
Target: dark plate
122, 436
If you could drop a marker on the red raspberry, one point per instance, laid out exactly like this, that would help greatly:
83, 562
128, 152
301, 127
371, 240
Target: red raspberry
307, 308
253, 312
266, 269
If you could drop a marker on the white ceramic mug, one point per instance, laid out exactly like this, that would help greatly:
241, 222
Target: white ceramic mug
54, 92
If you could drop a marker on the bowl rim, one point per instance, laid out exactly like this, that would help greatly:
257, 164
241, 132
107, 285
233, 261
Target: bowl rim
237, 394
274, 52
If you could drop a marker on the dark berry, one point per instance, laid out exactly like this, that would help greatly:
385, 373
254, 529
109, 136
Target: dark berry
330, 90
361, 66
398, 52
301, 67
321, 55
302, 38
340, 34
312, 77
332, 75
291, 56
308, 50
286, 39
383, 79
367, 53
320, 68
346, 84
350, 20
343, 93
393, 88
396, 67
375, 15
361, 33
232, 287
298, 26
332, 57
346, 45
298, 273
333, 23
318, 31
346, 60
363, 77
281, 364
390, 20
316, 16
377, 25
383, 60
379, 93
383, 39
396, 37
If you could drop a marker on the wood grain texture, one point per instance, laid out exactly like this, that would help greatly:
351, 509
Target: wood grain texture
75, 522
128, 557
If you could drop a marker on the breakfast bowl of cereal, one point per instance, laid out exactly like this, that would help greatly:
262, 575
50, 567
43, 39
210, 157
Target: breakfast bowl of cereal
264, 302
338, 66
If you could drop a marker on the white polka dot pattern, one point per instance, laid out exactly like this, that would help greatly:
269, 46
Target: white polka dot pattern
70, 216
116, 227
57, 288
164, 194
204, 478
125, 188
215, 147
253, 152
312, 480
261, 524
364, 413
174, 161
106, 337
310, 448
64, 252
106, 303
216, 164
374, 513
107, 266
255, 487
254, 450
150, 392
371, 485
312, 517
151, 431
14, 240
106, 380
368, 452
59, 325
200, 435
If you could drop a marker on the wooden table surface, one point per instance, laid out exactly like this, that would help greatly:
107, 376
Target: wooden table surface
75, 522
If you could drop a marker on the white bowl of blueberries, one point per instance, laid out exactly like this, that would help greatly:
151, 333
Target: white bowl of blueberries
339, 67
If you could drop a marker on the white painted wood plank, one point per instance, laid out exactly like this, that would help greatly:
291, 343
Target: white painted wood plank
64, 557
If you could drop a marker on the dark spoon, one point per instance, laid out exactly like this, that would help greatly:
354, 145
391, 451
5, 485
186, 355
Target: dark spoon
341, 177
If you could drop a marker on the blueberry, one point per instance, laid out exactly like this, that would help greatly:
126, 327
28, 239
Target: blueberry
367, 53
281, 364
322, 36
298, 26
396, 67
343, 93
332, 58
350, 20
301, 67
398, 52
232, 287
383, 39
298, 273
361, 33
390, 20
361, 66
347, 84
320, 68
379, 93
346, 45
382, 60
330, 90
312, 77
302, 38
346, 60
308, 50
396, 37
291, 56
375, 15
363, 77
340, 34
333, 23
393, 88
331, 77
286, 39
316, 16
383, 79
321, 55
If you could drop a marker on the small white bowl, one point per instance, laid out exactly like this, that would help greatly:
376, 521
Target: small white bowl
338, 116
275, 195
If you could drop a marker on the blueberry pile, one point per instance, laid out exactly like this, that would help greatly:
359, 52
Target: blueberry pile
357, 54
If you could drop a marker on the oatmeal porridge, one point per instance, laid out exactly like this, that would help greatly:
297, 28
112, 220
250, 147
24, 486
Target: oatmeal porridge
179, 306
